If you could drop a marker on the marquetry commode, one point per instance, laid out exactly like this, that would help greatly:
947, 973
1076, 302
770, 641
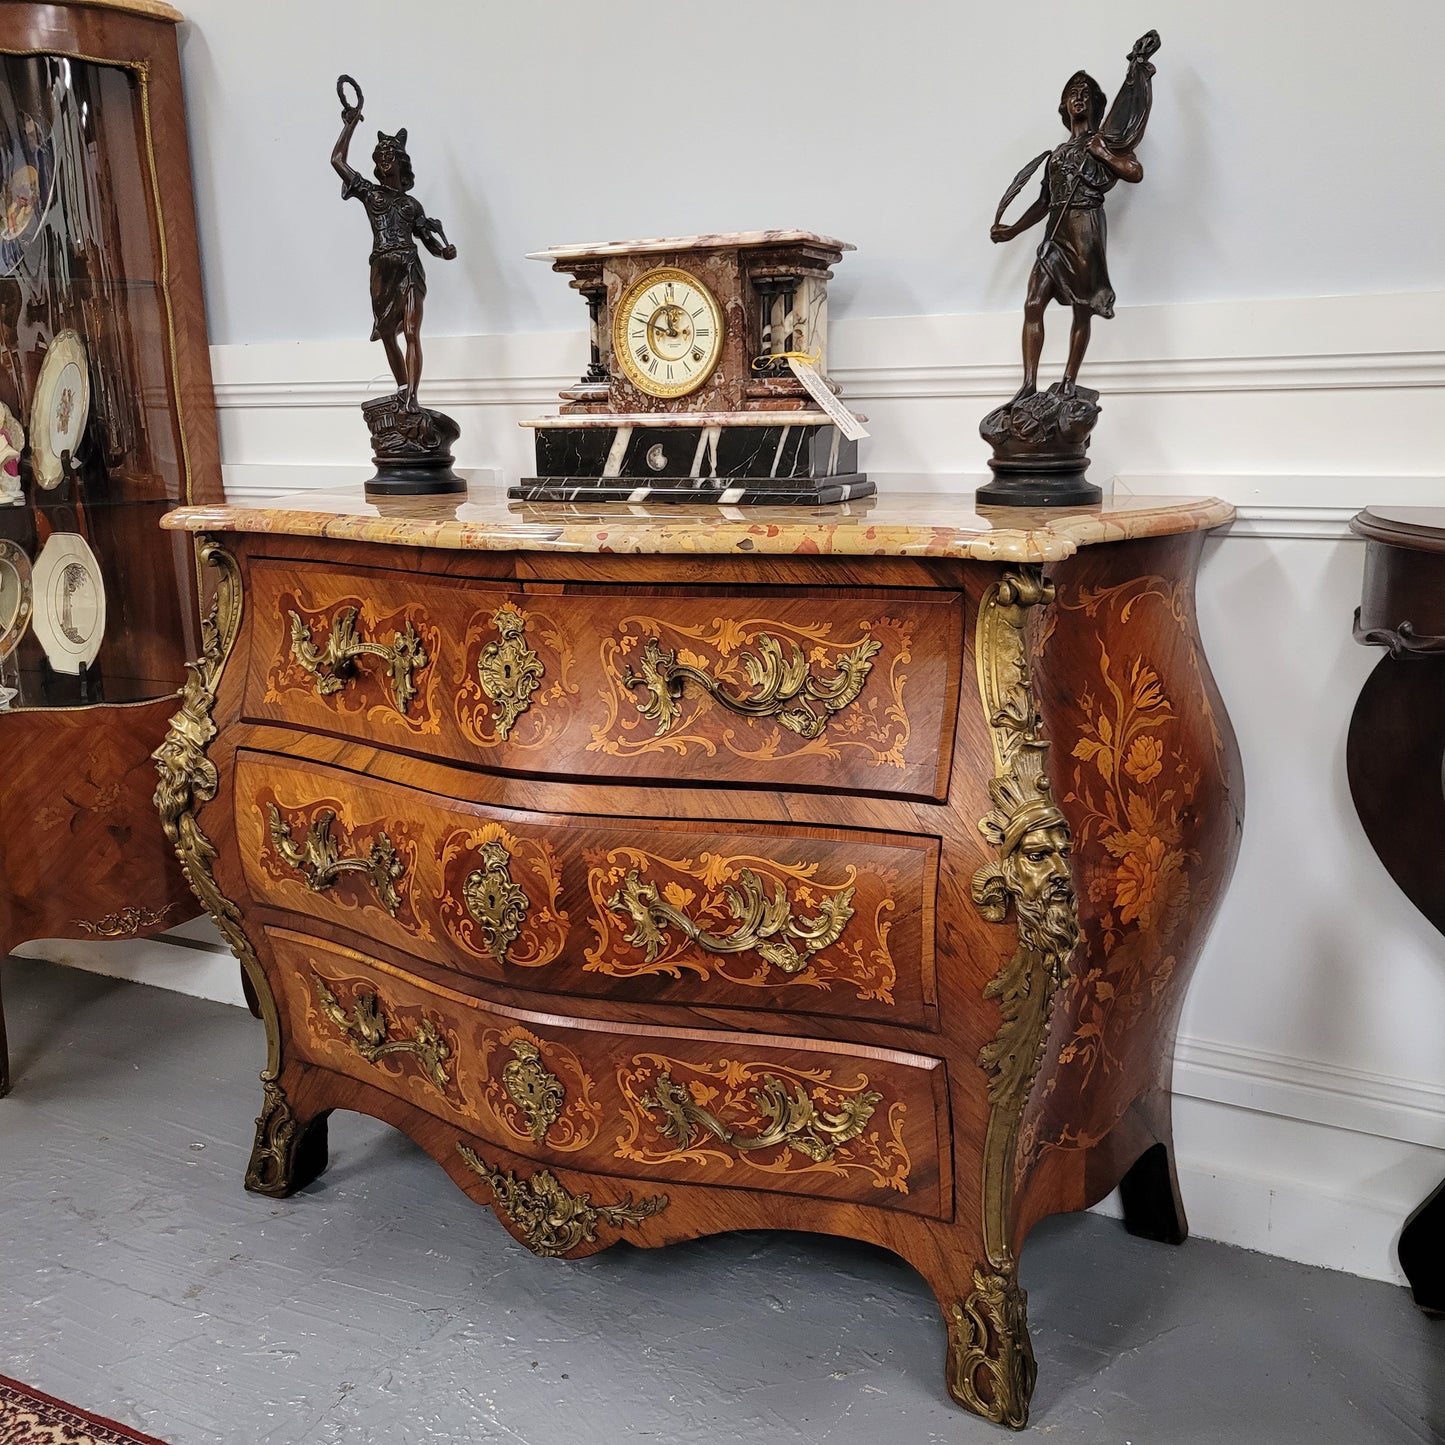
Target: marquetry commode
675, 873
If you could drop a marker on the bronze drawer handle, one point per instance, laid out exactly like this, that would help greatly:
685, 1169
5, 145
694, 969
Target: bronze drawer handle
782, 689
549, 1217
766, 926
318, 862
334, 665
793, 1119
367, 1031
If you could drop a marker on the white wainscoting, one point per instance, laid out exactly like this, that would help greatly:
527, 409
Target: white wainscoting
1310, 1080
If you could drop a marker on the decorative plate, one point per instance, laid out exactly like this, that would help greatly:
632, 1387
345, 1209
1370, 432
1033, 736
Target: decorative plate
28, 154
69, 616
12, 443
62, 404
16, 597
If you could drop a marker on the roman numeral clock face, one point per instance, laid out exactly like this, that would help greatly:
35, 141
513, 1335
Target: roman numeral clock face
667, 332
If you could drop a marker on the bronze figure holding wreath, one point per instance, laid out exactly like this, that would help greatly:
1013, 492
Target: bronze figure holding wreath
412, 444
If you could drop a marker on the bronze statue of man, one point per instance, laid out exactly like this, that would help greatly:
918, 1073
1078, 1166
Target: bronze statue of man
411, 444
398, 222
1040, 441
1071, 267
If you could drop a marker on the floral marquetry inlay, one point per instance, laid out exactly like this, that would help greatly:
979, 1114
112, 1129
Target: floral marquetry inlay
761, 1116
517, 679
1138, 763
742, 917
501, 895
758, 688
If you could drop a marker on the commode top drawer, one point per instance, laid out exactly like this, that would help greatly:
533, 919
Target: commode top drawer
853, 693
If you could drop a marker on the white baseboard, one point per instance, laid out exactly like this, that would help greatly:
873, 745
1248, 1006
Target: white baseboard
203, 969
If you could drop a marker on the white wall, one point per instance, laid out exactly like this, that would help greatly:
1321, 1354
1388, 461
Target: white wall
1292, 151
1281, 343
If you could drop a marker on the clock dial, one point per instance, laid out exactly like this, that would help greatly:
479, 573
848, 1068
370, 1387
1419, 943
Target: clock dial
667, 332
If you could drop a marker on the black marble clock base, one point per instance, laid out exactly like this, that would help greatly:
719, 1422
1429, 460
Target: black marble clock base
736, 491
773, 460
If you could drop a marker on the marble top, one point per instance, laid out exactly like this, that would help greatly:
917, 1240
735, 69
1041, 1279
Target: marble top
900, 524
653, 419
1422, 528
713, 241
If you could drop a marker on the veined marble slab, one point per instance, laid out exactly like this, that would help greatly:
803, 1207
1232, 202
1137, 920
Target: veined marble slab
687, 243
652, 419
890, 525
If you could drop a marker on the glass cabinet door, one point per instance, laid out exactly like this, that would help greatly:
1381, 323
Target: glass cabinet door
96, 602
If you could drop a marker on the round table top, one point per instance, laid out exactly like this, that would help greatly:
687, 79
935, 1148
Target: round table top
1422, 528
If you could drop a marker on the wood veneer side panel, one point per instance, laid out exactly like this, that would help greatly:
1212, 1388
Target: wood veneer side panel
81, 836
1145, 765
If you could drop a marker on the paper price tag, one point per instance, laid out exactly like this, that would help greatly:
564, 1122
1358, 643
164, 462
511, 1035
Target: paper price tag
820, 391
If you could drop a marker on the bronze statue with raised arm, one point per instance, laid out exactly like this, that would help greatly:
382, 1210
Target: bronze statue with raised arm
1041, 440
411, 444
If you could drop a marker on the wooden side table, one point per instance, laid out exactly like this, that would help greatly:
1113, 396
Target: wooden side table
1394, 757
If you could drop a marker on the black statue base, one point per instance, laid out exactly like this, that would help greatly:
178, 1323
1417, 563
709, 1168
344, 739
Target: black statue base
1040, 450
779, 463
412, 449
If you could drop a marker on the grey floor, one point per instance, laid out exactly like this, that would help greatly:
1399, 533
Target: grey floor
139, 1280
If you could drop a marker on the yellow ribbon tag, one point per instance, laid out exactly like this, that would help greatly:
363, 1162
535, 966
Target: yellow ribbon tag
762, 362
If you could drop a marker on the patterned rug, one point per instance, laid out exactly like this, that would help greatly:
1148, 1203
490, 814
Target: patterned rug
29, 1418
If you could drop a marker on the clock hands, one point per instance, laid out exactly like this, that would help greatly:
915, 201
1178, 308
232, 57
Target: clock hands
672, 315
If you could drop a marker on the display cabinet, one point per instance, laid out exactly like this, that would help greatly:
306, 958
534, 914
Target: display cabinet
107, 422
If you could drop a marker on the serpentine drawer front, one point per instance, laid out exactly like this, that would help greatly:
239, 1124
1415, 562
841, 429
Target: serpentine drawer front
736, 1111
838, 871
855, 693
776, 919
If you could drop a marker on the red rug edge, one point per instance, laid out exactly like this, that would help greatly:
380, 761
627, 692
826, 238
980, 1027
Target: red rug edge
88, 1415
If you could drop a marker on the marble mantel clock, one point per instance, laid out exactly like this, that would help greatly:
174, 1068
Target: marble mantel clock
689, 394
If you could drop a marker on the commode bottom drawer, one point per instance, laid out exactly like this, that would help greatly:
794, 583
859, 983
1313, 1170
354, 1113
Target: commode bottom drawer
719, 1109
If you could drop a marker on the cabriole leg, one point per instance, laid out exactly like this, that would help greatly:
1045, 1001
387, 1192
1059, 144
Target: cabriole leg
991, 1367
1149, 1192
289, 1152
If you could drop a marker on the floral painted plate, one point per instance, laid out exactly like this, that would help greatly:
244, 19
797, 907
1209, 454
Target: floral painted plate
62, 405
12, 443
17, 596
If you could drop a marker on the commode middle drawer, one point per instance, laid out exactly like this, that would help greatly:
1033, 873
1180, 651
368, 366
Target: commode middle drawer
854, 693
729, 1110
793, 920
